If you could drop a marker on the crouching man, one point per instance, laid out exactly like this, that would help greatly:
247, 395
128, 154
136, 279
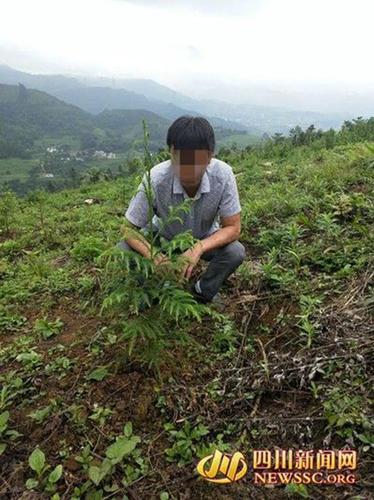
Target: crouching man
192, 173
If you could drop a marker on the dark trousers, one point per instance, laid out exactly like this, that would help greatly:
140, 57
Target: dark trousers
222, 262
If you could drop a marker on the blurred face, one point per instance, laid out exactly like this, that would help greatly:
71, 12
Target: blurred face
190, 165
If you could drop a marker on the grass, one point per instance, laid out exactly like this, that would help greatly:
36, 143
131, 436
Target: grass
241, 140
67, 140
288, 364
16, 168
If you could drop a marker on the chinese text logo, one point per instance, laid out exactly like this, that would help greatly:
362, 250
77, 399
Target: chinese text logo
224, 468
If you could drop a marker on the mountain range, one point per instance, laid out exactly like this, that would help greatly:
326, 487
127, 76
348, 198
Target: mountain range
29, 116
95, 95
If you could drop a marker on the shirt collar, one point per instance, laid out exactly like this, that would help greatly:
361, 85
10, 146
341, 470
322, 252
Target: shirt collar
204, 186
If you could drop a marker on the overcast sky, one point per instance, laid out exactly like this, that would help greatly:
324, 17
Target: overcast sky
178, 42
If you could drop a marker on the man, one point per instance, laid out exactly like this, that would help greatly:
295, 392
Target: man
194, 173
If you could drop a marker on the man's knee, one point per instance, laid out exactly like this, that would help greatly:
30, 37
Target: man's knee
235, 252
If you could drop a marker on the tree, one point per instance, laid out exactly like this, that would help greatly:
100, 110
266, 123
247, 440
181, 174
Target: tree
22, 94
8, 206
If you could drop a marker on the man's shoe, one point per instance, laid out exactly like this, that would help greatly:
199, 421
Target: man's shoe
196, 295
217, 301
199, 298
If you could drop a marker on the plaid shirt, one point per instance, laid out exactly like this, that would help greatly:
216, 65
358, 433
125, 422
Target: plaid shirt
217, 196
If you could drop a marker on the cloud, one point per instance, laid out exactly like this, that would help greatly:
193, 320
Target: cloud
272, 41
193, 52
212, 7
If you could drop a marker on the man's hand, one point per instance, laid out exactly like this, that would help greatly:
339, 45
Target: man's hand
191, 257
161, 259
163, 263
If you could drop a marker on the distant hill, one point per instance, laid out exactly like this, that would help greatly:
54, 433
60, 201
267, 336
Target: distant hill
28, 115
254, 116
40, 111
96, 99
124, 129
95, 95
98, 94
148, 88
48, 83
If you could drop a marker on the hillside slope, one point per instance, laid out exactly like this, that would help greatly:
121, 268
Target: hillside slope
22, 107
27, 115
288, 365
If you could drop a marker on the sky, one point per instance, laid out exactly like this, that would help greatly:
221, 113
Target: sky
183, 42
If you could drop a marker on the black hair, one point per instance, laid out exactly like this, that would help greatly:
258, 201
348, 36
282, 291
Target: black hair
189, 132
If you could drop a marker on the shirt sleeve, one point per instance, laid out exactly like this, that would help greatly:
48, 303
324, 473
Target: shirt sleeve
230, 203
138, 210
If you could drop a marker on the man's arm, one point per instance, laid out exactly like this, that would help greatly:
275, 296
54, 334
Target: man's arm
137, 216
135, 239
139, 243
230, 231
229, 212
